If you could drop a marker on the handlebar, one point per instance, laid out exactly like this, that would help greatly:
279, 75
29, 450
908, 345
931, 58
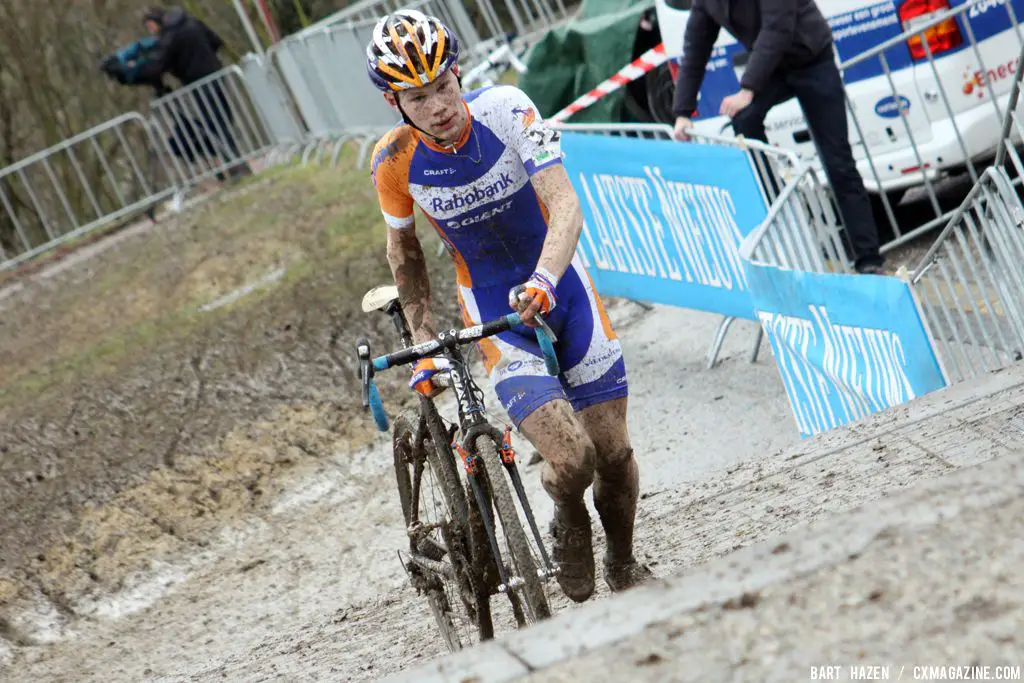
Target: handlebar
449, 339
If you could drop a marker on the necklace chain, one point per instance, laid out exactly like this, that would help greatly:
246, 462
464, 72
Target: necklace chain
479, 153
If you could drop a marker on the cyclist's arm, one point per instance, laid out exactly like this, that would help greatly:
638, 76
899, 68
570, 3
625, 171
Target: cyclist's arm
405, 255
565, 218
409, 268
539, 147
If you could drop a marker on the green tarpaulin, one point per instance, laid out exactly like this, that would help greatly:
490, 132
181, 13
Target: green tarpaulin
571, 60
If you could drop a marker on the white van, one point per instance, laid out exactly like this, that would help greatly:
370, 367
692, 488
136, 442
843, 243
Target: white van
890, 96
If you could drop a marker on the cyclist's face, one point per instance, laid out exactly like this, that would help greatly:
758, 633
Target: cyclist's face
437, 107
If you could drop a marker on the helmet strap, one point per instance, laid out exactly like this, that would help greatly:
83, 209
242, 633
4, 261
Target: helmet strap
409, 121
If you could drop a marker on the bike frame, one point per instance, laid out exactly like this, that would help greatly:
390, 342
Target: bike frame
472, 425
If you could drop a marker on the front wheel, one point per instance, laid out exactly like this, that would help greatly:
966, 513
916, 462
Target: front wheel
522, 556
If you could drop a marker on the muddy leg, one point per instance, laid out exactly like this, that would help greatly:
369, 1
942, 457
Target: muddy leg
616, 488
569, 460
617, 480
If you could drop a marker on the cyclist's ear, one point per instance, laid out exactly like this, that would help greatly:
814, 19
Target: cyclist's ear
391, 99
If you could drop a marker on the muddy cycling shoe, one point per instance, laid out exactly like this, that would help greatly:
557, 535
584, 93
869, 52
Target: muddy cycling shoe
573, 552
622, 576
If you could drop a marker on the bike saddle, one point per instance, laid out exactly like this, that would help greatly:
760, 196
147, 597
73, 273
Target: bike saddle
380, 298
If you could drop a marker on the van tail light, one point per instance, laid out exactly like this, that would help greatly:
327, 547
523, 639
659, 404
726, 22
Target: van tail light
941, 37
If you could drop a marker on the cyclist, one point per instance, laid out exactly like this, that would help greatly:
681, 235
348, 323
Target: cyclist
486, 172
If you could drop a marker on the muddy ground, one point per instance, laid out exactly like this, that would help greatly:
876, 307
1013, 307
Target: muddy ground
194, 494
132, 423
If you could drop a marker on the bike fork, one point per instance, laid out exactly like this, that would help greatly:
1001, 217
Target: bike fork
549, 570
507, 583
470, 462
508, 459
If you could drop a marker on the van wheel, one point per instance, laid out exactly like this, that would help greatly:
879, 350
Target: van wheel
660, 91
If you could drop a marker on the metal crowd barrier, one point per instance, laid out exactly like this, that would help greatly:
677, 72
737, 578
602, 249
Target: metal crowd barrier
211, 128
303, 99
274, 105
511, 21
971, 281
802, 227
945, 148
322, 66
337, 103
84, 183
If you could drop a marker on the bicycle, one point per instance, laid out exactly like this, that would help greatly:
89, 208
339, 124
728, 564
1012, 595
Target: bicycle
455, 559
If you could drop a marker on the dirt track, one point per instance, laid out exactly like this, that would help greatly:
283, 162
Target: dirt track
196, 496
133, 427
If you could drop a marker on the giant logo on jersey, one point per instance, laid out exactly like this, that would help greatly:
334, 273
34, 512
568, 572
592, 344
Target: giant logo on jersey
473, 196
487, 215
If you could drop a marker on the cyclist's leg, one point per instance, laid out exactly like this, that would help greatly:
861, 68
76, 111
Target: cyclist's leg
595, 382
568, 470
616, 489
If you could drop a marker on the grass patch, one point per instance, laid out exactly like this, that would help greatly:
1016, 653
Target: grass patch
146, 292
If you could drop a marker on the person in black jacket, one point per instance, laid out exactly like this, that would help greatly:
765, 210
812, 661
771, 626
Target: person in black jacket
187, 50
790, 47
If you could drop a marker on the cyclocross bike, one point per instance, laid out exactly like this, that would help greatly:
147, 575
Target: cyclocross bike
455, 555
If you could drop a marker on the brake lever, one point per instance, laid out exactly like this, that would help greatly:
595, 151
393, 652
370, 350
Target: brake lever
365, 369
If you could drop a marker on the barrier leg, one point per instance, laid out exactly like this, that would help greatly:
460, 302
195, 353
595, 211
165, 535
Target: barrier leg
309, 150
716, 345
643, 304
364, 151
339, 147
757, 344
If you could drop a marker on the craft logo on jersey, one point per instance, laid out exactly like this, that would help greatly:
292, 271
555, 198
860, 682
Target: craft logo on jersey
527, 114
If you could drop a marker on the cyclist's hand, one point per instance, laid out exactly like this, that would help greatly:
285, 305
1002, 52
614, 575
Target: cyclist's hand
539, 297
423, 374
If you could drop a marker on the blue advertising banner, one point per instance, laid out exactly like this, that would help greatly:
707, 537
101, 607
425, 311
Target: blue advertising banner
664, 220
846, 345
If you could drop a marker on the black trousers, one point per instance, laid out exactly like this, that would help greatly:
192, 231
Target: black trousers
214, 124
818, 88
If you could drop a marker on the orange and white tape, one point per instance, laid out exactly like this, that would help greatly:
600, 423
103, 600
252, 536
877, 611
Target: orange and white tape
646, 62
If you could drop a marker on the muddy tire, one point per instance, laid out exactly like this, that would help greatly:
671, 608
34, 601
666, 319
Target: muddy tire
515, 537
438, 560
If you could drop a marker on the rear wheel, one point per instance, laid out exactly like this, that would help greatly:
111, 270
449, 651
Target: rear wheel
438, 559
660, 91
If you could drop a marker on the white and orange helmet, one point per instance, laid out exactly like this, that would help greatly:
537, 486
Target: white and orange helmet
410, 49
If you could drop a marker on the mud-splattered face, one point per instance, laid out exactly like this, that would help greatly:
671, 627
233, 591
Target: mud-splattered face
437, 108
